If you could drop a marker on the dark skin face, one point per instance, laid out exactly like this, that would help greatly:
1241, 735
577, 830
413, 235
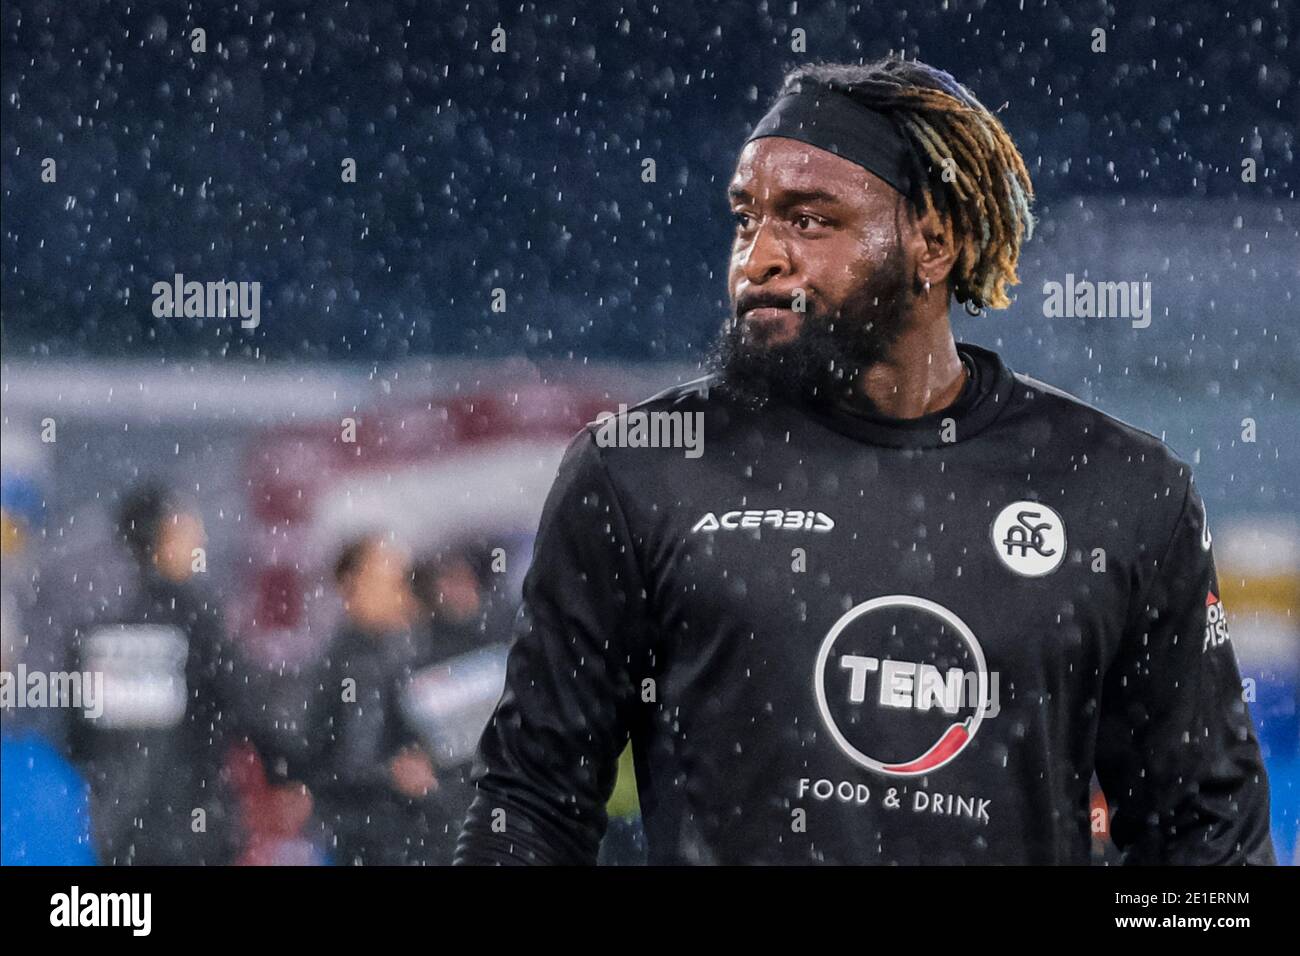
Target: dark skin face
808, 219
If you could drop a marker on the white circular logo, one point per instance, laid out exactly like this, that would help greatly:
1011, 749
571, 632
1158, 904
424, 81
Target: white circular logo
1029, 537
901, 685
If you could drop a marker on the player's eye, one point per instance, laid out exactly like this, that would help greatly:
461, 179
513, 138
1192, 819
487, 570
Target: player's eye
805, 220
742, 219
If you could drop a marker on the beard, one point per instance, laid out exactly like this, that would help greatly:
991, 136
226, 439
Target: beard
829, 351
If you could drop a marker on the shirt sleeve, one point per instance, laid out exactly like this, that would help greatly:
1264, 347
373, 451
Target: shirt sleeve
548, 758
1177, 754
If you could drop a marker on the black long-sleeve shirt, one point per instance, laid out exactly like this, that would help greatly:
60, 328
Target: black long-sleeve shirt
835, 637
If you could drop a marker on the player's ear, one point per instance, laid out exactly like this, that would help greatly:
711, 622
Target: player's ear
937, 249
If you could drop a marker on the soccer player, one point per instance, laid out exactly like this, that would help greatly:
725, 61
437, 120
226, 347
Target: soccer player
907, 601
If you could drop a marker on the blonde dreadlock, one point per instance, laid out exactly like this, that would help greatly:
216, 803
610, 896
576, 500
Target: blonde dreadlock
986, 193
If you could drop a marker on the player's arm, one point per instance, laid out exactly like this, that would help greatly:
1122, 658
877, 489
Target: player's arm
548, 758
1177, 754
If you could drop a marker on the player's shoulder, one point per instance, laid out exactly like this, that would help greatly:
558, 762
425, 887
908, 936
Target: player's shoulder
672, 418
695, 394
1091, 431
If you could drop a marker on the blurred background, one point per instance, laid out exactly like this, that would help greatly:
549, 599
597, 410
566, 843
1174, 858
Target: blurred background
461, 259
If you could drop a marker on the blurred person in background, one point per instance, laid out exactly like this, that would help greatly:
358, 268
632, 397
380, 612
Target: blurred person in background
465, 612
459, 607
465, 619
374, 783
155, 755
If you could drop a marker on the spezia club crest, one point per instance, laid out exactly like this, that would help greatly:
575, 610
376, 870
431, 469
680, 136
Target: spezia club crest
1029, 537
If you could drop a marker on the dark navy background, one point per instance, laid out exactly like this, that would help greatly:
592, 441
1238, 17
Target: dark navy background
522, 170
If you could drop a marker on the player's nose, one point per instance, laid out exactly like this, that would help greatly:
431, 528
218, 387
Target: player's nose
766, 257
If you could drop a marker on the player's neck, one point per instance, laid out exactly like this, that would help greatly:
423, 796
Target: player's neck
921, 374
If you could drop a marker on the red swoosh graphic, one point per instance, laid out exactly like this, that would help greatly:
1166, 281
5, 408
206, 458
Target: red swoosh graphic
953, 740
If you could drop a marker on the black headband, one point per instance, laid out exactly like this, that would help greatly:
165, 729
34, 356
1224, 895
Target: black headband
830, 120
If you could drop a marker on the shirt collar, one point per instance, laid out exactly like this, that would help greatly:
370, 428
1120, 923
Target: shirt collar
982, 399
